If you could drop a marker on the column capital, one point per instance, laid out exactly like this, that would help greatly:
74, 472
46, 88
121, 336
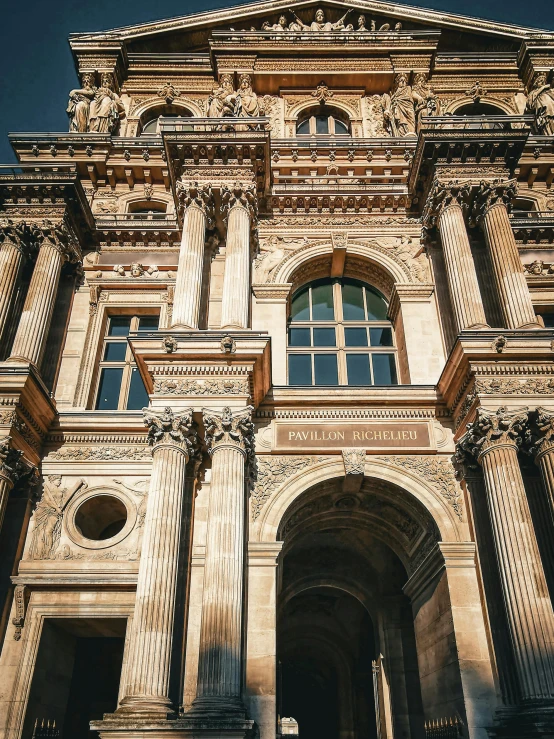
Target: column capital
12, 467
442, 195
491, 193
196, 195
492, 430
59, 236
540, 436
166, 428
15, 233
227, 428
240, 195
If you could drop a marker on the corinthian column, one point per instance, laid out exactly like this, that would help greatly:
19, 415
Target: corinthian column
197, 201
229, 437
12, 257
493, 439
240, 206
445, 208
10, 470
174, 440
57, 245
491, 212
542, 448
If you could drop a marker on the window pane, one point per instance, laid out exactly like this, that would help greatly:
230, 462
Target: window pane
300, 369
322, 302
138, 397
148, 323
376, 306
352, 303
324, 337
303, 127
340, 127
548, 319
321, 124
108, 392
325, 369
299, 337
115, 351
300, 308
119, 326
355, 337
384, 369
358, 369
380, 336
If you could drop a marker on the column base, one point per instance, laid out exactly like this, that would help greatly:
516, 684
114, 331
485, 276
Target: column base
210, 707
532, 324
534, 720
115, 726
145, 708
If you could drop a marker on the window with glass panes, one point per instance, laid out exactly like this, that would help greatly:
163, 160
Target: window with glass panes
339, 334
120, 386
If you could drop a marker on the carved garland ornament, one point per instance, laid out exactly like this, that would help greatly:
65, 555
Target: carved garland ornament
101, 454
439, 472
272, 472
202, 387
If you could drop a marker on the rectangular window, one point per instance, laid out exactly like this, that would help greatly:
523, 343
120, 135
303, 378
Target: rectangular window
384, 369
120, 386
325, 369
300, 369
357, 366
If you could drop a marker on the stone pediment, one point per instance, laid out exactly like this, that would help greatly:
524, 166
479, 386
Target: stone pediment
197, 27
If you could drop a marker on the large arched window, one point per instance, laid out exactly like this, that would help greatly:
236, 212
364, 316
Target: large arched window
339, 334
323, 121
479, 112
150, 120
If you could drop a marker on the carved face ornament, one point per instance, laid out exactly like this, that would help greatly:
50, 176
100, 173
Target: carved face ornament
319, 15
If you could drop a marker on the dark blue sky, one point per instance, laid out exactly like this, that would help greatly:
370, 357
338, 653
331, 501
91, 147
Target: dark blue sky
38, 68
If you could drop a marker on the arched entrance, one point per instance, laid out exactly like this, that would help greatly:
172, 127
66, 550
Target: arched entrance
346, 646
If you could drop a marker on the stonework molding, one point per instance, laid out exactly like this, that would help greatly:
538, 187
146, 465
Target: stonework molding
445, 194
169, 428
354, 461
515, 386
271, 473
21, 600
438, 472
240, 195
203, 386
59, 236
101, 454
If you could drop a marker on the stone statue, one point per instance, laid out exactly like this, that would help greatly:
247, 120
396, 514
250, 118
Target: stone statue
362, 28
319, 24
426, 102
399, 108
106, 109
78, 108
48, 516
221, 102
246, 102
280, 26
541, 103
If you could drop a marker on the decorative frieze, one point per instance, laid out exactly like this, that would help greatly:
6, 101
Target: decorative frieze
101, 454
207, 386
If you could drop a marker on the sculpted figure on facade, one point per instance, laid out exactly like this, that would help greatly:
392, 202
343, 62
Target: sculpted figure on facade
48, 516
541, 103
425, 100
246, 103
78, 108
106, 109
319, 24
272, 252
222, 100
399, 108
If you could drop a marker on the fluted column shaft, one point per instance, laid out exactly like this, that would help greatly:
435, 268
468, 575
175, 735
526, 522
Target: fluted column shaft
526, 598
56, 247
188, 286
150, 647
220, 669
542, 439
240, 205
12, 257
462, 276
515, 299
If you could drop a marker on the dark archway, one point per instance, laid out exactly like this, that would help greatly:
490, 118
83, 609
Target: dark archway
346, 645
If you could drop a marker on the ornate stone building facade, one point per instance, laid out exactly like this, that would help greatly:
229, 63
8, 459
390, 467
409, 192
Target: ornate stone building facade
276, 331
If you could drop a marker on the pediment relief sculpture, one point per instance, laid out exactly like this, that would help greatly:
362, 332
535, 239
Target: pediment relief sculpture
320, 24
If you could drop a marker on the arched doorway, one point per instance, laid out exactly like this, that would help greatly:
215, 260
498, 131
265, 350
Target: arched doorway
346, 649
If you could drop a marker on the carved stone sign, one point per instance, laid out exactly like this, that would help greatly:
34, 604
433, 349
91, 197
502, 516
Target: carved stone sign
363, 434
